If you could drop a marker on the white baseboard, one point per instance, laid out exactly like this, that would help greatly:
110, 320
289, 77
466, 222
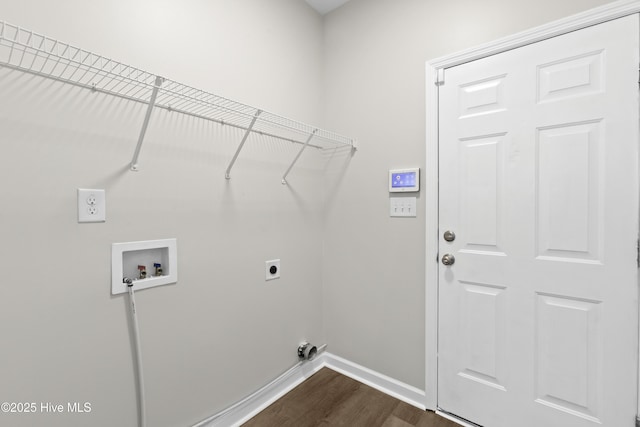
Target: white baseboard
244, 410
401, 391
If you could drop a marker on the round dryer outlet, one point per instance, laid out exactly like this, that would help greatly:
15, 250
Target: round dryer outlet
272, 269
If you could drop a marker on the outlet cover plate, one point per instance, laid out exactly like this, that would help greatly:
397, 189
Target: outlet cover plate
92, 205
268, 265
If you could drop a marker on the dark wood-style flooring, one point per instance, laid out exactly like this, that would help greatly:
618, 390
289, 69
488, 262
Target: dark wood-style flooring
331, 399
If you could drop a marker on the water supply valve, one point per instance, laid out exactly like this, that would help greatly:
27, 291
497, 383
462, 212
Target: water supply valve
142, 272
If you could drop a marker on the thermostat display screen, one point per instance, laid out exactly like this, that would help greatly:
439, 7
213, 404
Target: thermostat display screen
404, 180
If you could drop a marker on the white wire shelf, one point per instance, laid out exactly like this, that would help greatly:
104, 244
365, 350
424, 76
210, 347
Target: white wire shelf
30, 52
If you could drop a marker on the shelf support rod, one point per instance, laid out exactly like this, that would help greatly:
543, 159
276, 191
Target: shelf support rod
306, 144
145, 123
227, 174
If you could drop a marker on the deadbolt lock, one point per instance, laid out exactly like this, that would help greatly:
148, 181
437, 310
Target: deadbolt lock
449, 236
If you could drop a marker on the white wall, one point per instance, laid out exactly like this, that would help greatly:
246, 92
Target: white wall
254, 52
375, 53
222, 331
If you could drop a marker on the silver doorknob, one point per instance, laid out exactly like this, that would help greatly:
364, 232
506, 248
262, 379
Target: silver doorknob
448, 259
449, 236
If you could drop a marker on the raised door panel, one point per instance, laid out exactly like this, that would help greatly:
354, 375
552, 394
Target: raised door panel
569, 191
568, 368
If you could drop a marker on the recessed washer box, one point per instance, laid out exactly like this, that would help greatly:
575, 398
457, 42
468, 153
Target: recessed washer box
127, 257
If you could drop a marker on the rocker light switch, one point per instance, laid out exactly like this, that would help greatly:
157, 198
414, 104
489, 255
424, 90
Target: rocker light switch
402, 206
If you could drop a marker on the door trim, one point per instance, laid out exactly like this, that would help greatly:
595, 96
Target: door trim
435, 69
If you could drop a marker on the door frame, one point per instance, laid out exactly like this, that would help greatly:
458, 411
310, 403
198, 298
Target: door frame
435, 72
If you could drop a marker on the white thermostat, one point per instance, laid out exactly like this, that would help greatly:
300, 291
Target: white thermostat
404, 180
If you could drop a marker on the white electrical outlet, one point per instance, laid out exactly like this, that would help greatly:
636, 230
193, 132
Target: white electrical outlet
272, 269
92, 205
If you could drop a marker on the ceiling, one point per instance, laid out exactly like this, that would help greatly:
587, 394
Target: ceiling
325, 6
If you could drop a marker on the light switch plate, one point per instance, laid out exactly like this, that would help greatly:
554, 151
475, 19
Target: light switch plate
92, 205
402, 206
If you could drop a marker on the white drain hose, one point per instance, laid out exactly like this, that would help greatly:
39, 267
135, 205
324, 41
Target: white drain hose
136, 340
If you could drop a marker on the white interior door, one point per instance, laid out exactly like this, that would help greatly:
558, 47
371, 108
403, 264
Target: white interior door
538, 314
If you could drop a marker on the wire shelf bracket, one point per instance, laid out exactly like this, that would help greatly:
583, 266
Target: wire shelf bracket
306, 144
145, 123
29, 52
227, 174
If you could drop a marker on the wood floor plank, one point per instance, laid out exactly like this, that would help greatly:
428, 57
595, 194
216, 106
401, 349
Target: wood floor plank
330, 399
308, 403
431, 419
323, 400
393, 421
364, 407
407, 413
